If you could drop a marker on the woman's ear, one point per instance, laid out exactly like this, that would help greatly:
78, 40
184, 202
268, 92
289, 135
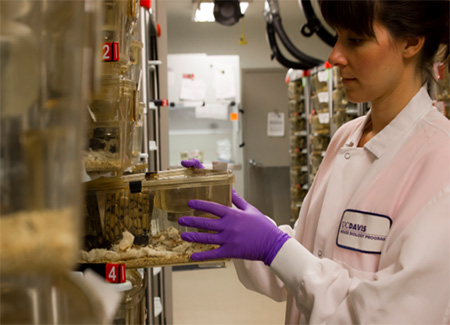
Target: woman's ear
413, 46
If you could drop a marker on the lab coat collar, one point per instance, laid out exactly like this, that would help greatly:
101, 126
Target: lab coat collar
417, 107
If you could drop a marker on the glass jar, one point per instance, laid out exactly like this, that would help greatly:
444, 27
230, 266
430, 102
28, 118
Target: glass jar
54, 298
42, 99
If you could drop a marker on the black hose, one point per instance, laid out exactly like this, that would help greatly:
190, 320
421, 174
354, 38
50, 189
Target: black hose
278, 27
271, 37
314, 25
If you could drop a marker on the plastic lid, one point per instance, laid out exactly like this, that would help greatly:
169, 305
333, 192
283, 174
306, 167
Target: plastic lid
146, 3
125, 286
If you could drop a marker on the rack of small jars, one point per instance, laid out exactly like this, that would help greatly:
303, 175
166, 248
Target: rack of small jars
319, 118
317, 108
298, 140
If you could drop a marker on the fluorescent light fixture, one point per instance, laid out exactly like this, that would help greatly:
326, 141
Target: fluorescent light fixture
244, 6
205, 11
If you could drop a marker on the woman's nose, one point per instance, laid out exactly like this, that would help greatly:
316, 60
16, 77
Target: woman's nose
337, 57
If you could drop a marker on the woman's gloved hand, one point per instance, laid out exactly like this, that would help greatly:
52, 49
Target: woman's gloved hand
192, 163
243, 233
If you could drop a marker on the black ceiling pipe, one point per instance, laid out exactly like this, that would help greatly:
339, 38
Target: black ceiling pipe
276, 53
314, 25
275, 26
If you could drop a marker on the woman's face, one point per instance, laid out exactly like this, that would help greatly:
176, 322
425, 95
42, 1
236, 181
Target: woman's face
370, 68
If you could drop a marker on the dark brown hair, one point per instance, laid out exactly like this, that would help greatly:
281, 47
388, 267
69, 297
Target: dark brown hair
402, 18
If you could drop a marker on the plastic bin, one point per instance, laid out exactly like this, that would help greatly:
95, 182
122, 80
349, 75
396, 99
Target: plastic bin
296, 107
143, 210
113, 113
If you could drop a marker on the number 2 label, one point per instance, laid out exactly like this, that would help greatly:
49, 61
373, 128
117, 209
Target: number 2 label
110, 51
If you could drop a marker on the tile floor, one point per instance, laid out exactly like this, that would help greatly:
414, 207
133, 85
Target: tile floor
214, 296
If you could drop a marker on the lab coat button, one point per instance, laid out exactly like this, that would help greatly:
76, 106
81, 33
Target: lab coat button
347, 155
319, 253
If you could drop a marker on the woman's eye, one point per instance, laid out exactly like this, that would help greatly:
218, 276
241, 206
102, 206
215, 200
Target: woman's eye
355, 40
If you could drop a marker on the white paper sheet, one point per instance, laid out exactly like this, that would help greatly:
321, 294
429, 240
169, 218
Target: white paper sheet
275, 124
170, 77
215, 111
224, 81
192, 89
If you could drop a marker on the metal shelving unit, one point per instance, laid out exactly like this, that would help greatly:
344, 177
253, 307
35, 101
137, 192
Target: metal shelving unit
158, 280
318, 107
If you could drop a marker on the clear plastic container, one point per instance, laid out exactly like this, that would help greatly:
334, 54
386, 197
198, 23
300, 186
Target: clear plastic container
295, 89
340, 101
298, 176
48, 299
297, 141
296, 107
120, 17
319, 142
132, 308
317, 124
319, 80
134, 69
298, 158
112, 118
297, 124
144, 210
316, 159
42, 90
298, 193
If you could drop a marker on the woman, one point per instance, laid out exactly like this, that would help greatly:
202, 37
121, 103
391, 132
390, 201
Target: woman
372, 241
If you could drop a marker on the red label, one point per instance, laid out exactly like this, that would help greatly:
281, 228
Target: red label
110, 51
115, 273
123, 275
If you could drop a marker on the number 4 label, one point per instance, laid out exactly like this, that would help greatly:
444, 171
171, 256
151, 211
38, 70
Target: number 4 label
115, 273
110, 51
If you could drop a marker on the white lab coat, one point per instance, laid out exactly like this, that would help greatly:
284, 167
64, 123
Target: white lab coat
374, 229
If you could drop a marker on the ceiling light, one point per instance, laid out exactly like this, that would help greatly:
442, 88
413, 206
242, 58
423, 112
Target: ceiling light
205, 11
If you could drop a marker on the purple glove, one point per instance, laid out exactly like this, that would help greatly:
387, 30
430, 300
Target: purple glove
243, 233
192, 163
